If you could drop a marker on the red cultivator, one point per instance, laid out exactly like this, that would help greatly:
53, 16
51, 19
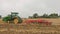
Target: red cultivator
38, 21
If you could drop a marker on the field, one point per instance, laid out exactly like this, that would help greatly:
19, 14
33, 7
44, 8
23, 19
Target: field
31, 28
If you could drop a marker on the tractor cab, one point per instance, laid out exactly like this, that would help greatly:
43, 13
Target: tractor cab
14, 15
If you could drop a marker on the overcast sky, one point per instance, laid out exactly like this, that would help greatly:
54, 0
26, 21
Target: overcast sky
29, 7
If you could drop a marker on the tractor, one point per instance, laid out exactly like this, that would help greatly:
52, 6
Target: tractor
13, 18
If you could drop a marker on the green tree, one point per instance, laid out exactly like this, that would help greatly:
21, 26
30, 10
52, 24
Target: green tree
45, 16
0, 16
54, 15
35, 15
30, 17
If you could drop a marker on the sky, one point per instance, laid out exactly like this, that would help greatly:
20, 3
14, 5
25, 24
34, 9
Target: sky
27, 8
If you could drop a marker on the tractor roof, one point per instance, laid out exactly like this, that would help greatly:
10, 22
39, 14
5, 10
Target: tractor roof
14, 12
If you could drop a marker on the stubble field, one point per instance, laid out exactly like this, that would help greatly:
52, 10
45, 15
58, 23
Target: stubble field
31, 28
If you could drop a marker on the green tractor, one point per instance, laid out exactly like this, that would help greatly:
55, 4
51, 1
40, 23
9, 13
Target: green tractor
10, 18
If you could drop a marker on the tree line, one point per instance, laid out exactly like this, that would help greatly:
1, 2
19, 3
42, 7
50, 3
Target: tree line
53, 15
